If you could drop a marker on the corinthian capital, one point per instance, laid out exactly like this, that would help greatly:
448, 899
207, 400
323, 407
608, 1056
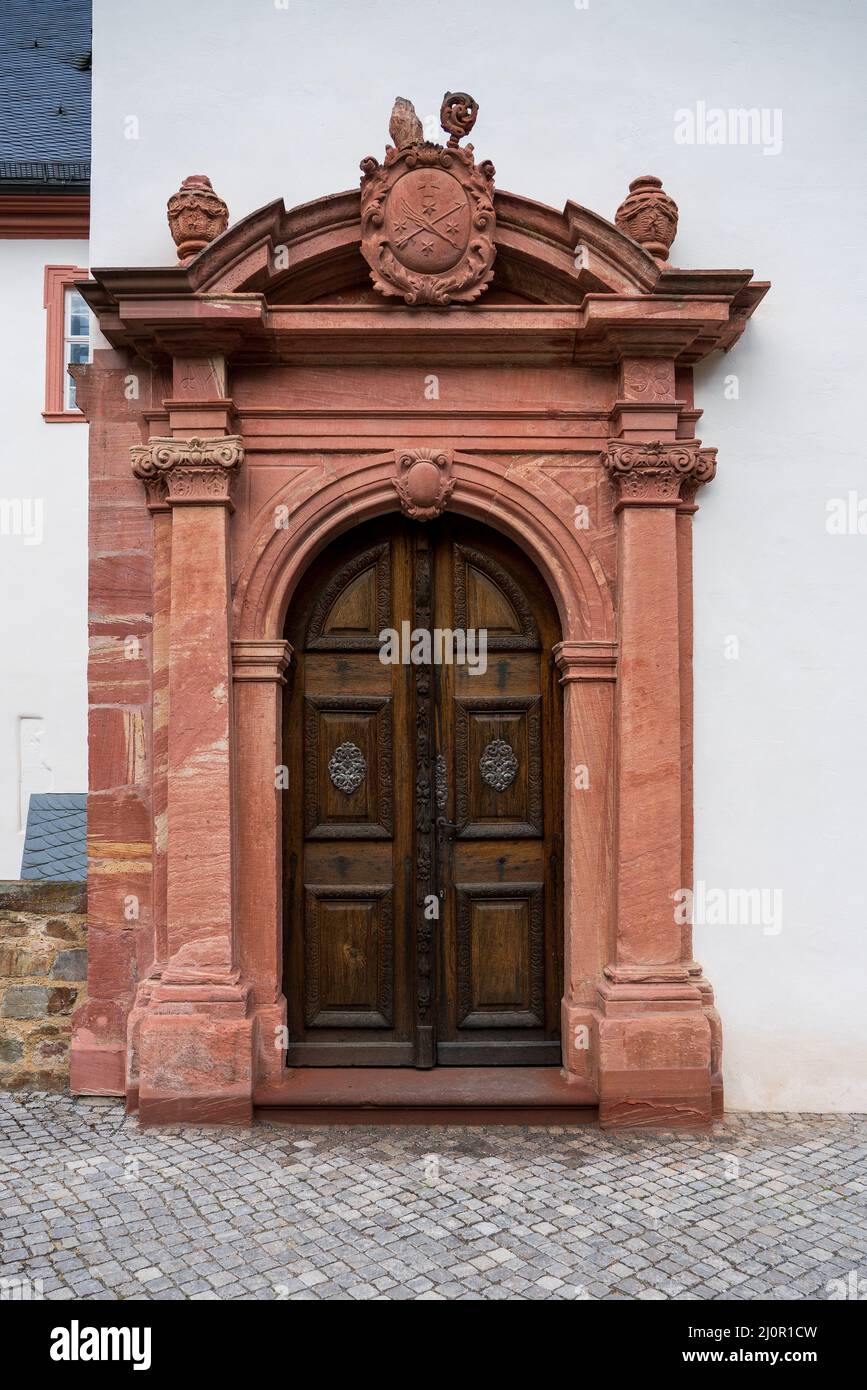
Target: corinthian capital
189, 470
657, 473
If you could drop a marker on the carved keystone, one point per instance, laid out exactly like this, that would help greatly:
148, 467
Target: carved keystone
424, 483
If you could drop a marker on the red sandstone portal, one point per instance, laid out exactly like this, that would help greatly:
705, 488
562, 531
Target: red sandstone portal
533, 371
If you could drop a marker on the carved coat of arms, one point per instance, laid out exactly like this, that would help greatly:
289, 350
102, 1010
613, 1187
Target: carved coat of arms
427, 212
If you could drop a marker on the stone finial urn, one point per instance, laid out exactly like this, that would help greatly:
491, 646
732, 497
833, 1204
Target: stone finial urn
196, 216
649, 216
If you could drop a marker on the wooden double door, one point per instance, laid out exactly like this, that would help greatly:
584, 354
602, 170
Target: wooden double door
423, 817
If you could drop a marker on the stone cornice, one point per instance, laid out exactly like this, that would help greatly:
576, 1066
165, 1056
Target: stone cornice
188, 471
656, 473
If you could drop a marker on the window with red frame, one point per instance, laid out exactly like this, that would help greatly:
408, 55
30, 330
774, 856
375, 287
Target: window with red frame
67, 340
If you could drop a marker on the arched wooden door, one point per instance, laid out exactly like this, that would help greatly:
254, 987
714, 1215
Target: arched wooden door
423, 815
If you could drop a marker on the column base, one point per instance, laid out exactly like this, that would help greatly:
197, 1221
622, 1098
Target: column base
654, 1057
97, 1056
191, 1044
716, 1039
269, 1042
195, 1068
579, 1030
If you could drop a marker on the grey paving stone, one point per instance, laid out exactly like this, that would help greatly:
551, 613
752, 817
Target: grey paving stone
274, 1213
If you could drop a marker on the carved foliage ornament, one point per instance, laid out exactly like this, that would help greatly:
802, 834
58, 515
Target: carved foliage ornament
347, 767
424, 483
427, 212
649, 381
441, 782
657, 472
189, 470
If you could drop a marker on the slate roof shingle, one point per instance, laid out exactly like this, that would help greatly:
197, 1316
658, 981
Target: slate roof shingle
55, 842
45, 92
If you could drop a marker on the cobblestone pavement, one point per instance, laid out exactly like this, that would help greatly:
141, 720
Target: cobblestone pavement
96, 1208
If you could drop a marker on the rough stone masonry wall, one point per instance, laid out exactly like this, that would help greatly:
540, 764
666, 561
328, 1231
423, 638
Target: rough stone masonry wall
43, 970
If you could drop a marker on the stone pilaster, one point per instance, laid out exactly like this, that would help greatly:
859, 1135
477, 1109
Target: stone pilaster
195, 1043
654, 1056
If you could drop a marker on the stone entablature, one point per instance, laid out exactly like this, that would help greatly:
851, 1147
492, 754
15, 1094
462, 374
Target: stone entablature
282, 387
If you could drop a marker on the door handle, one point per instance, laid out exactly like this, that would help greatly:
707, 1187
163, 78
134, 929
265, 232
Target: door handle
443, 824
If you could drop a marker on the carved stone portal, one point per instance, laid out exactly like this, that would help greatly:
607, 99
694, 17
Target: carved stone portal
424, 483
183, 1007
427, 213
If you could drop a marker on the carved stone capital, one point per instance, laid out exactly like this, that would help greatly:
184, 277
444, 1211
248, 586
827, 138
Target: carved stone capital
657, 474
260, 660
424, 482
196, 471
585, 661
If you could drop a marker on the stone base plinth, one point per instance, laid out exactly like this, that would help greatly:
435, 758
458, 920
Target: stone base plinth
654, 1059
195, 1069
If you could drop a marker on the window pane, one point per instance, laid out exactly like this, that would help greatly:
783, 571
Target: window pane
75, 353
77, 316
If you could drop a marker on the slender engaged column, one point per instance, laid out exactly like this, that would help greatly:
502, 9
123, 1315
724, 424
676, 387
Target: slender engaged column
587, 674
195, 1036
258, 667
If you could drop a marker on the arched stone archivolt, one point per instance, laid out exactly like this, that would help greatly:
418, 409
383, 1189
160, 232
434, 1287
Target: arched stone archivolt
292, 534
308, 252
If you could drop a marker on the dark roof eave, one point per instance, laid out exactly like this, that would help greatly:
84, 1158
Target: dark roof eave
38, 175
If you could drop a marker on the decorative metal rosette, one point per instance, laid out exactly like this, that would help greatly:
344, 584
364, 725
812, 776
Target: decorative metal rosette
347, 768
498, 765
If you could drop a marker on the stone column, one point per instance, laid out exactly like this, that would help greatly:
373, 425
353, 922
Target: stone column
258, 667
196, 1032
654, 1056
587, 674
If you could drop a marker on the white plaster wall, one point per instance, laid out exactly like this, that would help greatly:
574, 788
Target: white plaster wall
272, 99
43, 587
